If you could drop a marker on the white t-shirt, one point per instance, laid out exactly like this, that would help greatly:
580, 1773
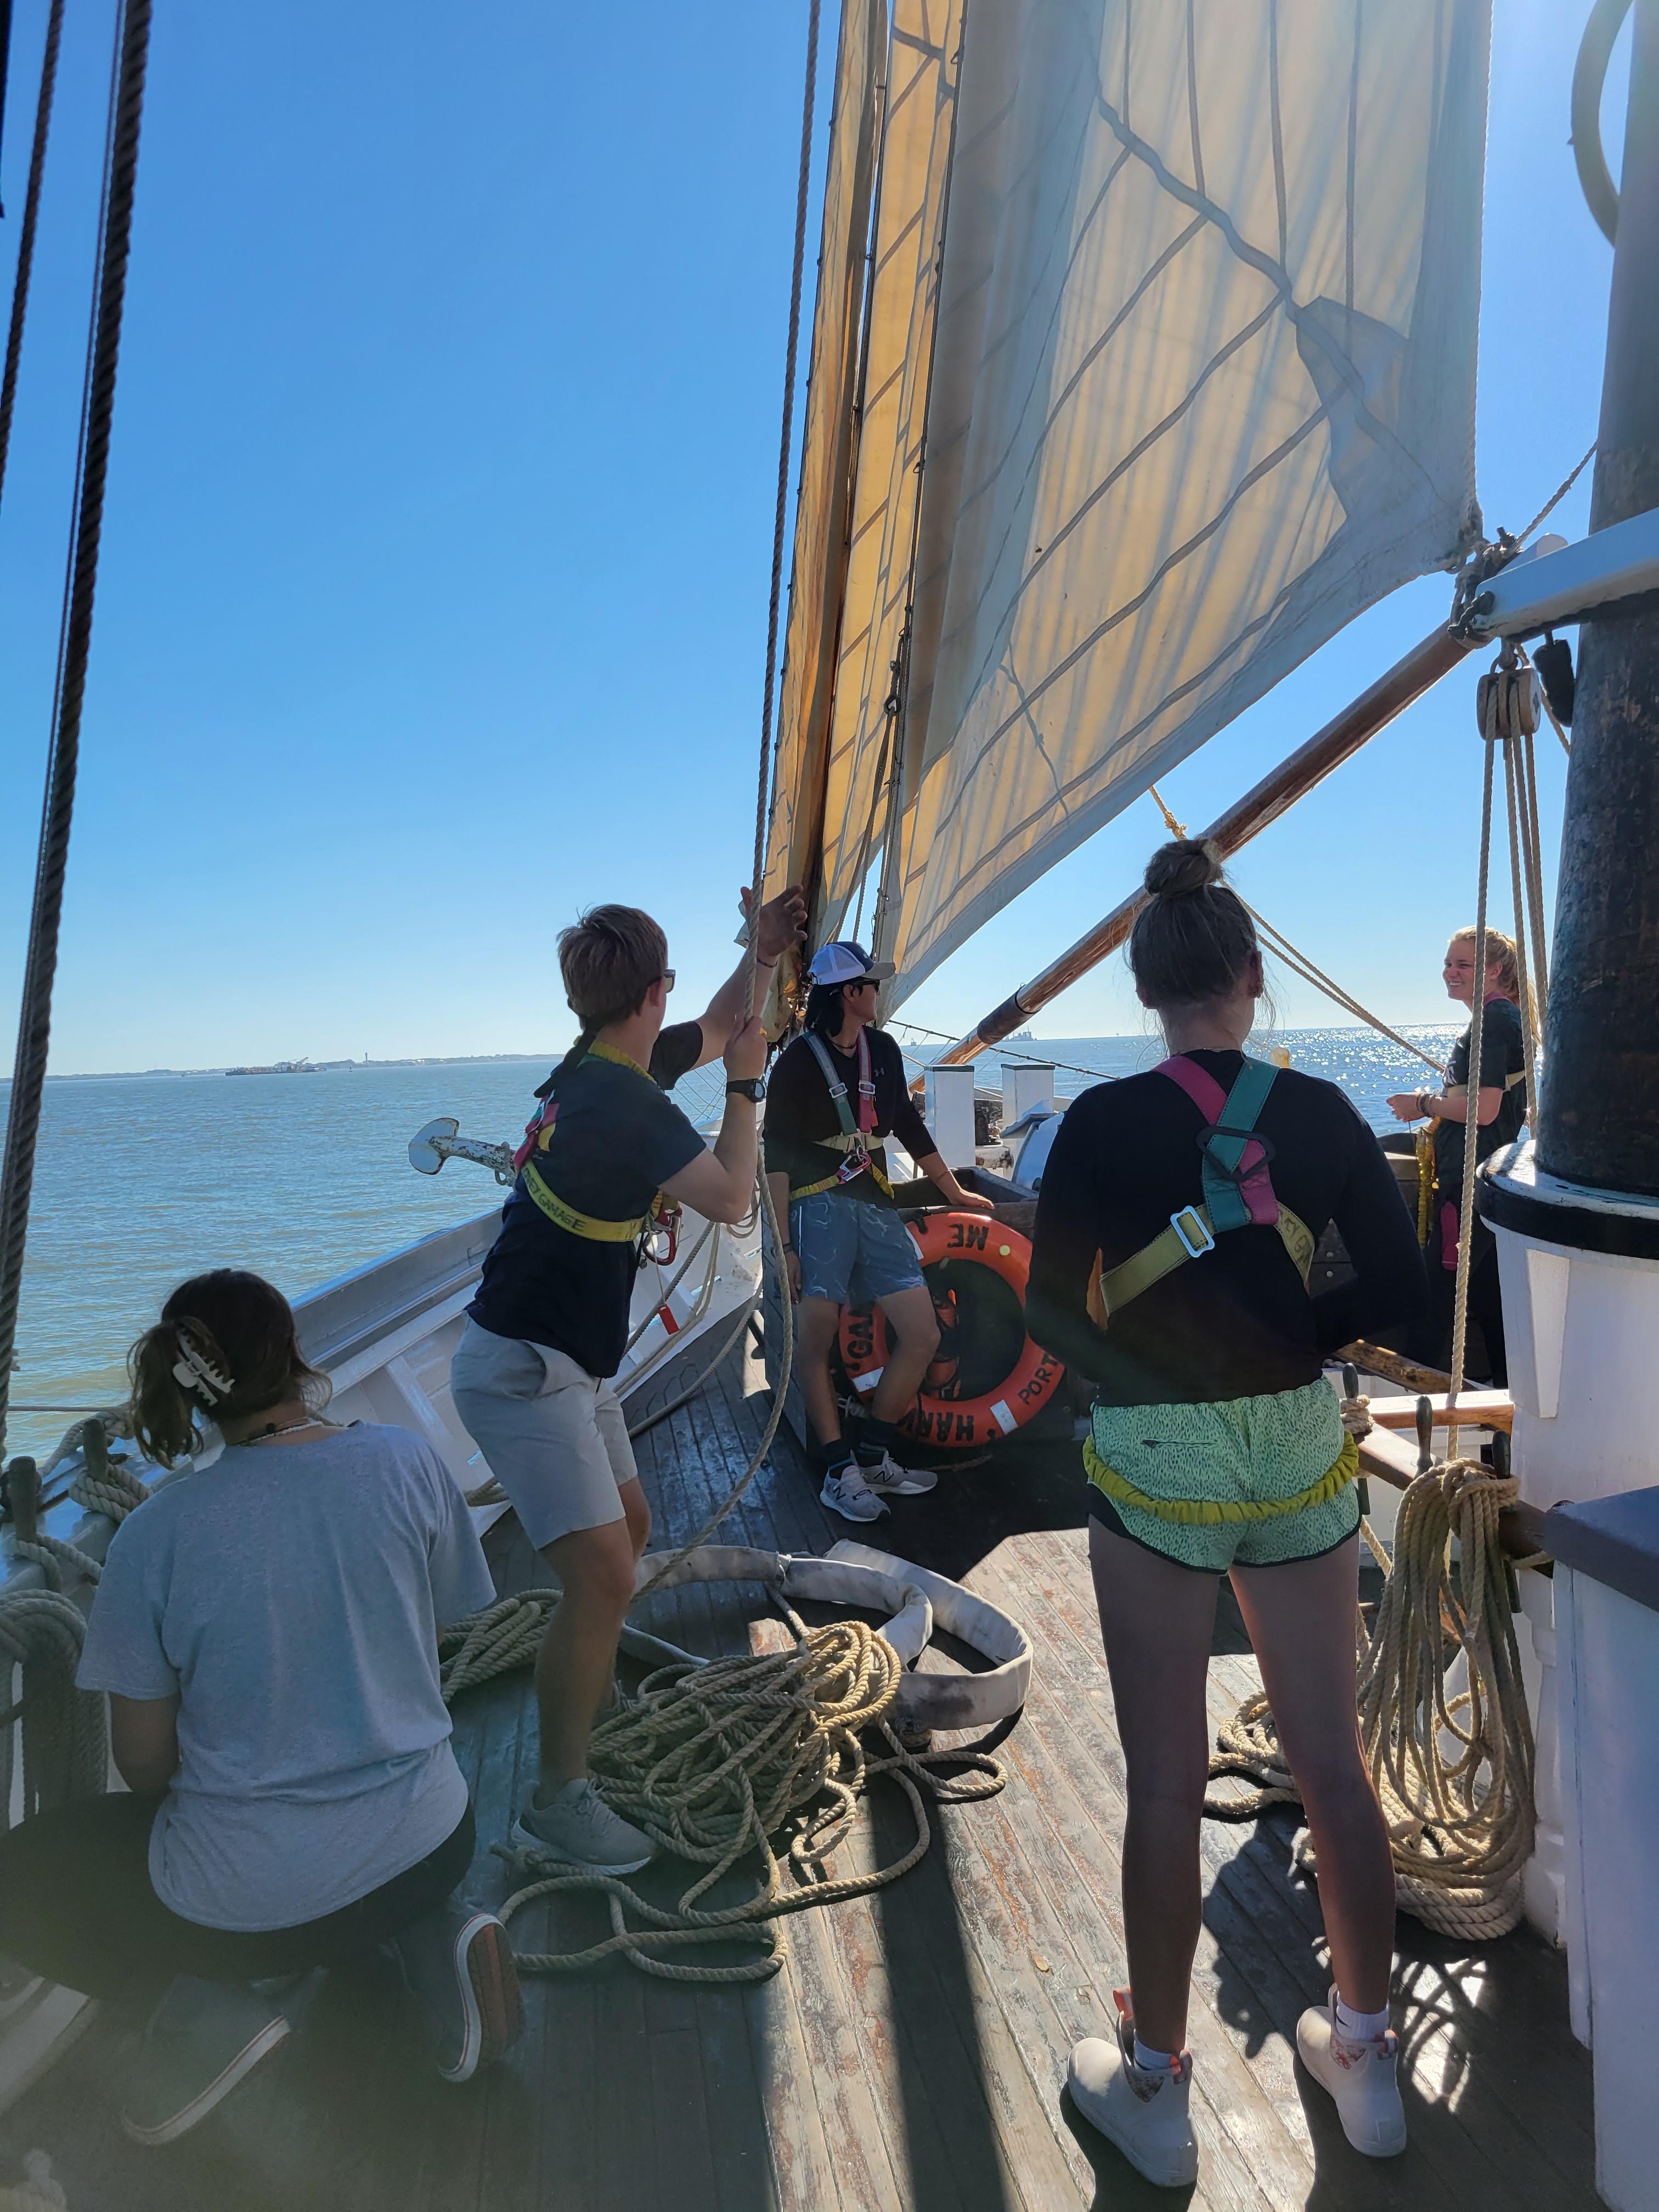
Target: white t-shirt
290, 1597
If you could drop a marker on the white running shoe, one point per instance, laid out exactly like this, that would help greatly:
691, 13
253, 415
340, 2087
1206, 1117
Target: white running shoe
888, 1480
1143, 2113
847, 1493
1360, 2076
579, 1829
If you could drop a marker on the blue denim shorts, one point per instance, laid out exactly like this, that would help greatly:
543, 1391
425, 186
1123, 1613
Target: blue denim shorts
851, 1252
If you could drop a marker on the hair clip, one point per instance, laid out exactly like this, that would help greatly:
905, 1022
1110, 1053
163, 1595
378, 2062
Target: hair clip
196, 1374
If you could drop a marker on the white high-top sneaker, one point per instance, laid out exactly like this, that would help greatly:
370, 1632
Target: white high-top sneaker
1361, 2076
1143, 2113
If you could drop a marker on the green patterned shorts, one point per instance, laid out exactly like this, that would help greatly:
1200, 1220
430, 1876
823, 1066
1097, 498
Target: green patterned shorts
1258, 1481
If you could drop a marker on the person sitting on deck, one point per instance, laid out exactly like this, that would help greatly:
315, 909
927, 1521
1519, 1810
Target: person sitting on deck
838, 1089
1499, 1112
1168, 1267
548, 1326
266, 1627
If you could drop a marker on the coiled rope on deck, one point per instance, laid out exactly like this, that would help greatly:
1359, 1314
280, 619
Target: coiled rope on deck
1453, 1772
715, 1762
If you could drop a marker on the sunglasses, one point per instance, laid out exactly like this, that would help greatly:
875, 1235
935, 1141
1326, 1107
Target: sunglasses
666, 979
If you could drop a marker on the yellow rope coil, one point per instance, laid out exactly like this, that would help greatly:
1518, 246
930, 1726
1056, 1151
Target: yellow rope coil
1454, 1772
715, 1762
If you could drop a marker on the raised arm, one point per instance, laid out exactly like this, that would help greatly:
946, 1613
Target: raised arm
721, 1184
782, 923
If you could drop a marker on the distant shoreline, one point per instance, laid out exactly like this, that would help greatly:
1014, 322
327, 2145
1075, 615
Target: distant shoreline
317, 1067
547, 1059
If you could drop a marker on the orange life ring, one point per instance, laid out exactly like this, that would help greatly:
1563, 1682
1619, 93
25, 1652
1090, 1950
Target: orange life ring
959, 1423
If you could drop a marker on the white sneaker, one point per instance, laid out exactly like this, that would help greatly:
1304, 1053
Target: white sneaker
1143, 2113
847, 1493
1360, 2076
888, 1480
579, 1829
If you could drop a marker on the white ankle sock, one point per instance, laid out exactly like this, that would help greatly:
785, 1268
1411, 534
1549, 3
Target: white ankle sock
1360, 2027
1151, 2062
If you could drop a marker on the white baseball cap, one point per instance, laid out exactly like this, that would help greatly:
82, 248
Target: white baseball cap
846, 963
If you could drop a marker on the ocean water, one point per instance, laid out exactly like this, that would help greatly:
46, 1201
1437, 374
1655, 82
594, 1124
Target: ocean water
140, 1181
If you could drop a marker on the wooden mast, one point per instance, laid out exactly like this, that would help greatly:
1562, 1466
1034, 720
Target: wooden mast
1340, 739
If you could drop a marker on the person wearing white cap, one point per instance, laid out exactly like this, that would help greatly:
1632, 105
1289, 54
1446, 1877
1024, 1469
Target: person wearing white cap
836, 1093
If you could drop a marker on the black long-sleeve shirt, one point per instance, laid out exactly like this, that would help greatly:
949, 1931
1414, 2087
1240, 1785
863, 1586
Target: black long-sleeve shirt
1238, 1322
800, 1113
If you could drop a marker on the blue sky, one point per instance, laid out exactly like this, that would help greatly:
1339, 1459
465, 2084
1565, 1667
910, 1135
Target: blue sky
433, 598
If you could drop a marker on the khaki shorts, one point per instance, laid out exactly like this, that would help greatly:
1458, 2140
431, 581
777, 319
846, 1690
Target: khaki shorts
553, 1436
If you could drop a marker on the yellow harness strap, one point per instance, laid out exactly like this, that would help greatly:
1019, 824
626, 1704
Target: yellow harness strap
1206, 1512
873, 1161
579, 1224
1189, 1235
566, 1217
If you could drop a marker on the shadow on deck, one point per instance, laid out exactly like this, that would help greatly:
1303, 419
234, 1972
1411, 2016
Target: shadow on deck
911, 2052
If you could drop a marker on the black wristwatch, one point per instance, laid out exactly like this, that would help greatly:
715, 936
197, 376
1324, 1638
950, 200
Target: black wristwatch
752, 1087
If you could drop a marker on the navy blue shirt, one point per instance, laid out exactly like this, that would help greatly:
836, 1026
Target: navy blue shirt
614, 1141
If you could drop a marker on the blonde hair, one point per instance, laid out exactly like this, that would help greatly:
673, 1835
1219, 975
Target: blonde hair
1501, 954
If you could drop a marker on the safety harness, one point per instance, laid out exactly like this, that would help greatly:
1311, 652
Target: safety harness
851, 1138
1237, 1188
656, 1230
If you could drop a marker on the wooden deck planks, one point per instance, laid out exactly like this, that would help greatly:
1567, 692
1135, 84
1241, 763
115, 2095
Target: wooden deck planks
910, 2056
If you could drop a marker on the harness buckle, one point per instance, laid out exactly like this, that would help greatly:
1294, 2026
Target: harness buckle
1238, 1174
1179, 1221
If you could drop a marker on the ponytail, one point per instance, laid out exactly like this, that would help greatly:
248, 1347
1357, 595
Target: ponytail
574, 1059
225, 1343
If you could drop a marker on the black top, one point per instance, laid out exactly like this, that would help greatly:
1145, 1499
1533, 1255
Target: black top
1502, 1055
615, 1141
1238, 1322
800, 1113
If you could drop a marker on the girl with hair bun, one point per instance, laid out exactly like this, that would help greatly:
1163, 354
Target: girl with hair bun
1177, 1216
267, 1629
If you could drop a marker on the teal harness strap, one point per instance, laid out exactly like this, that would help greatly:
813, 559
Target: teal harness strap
1224, 1195
849, 1128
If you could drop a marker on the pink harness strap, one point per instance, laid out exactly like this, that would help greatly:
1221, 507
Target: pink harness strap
1211, 1100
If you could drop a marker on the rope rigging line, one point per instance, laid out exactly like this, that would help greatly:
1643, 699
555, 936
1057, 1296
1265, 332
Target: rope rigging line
1026, 1058
98, 404
1477, 1026
1299, 963
785, 446
20, 283
1557, 496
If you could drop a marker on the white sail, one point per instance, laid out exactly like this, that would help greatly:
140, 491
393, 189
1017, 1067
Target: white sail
1201, 389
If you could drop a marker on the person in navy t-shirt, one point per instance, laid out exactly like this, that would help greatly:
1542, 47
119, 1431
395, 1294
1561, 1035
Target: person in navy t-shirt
548, 1328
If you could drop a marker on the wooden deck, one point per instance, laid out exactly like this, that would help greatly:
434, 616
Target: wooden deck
911, 2052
